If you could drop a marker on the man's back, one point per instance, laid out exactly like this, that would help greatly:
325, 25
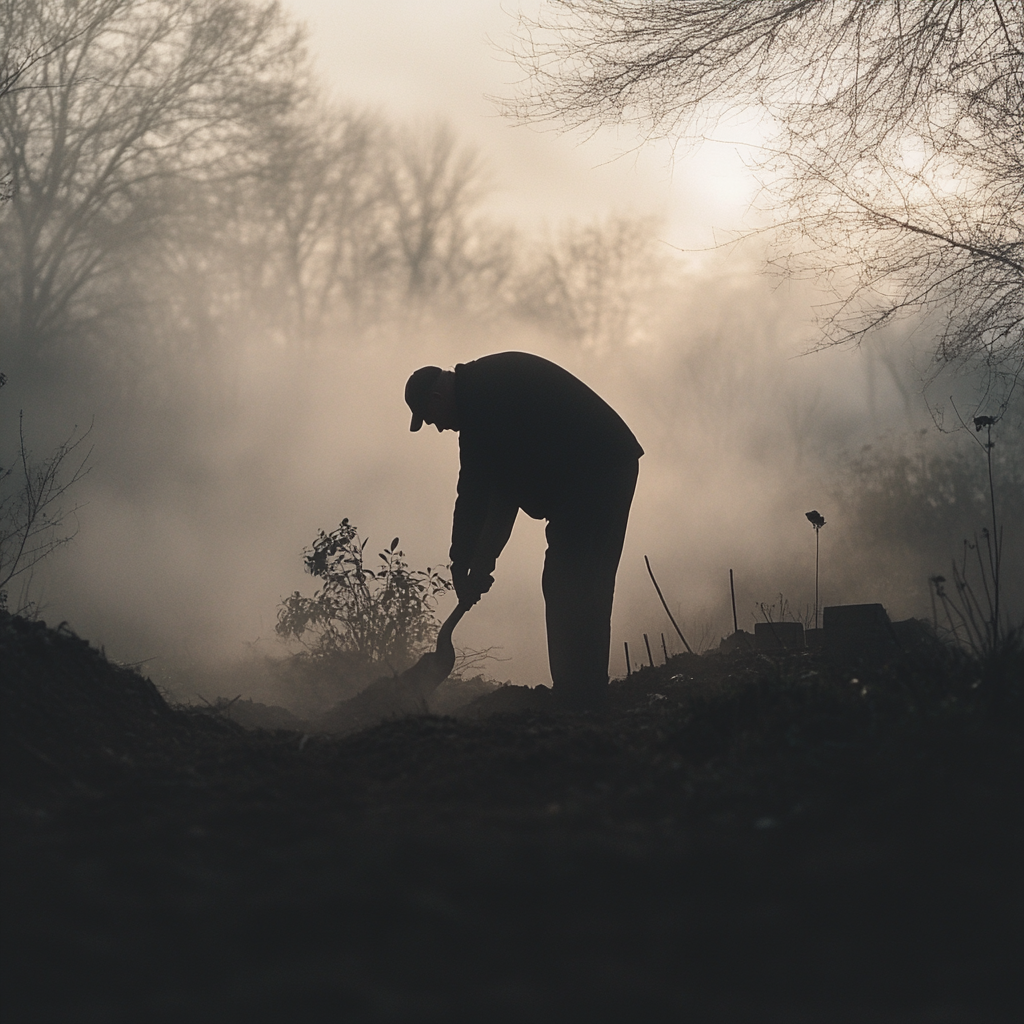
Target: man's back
532, 429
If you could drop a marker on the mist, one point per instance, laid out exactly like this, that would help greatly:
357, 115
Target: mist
226, 435
197, 510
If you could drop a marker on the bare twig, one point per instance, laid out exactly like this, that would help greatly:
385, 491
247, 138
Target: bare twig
664, 605
33, 522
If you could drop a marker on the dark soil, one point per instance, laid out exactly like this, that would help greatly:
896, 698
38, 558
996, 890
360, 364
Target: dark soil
737, 839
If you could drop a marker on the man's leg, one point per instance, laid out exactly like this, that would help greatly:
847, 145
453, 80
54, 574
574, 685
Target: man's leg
584, 546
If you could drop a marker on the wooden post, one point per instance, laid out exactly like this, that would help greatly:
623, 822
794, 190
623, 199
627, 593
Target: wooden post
732, 591
629, 668
647, 644
664, 649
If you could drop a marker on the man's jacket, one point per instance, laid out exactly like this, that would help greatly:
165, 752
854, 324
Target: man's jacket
530, 434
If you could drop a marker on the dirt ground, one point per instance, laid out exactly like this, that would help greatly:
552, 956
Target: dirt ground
738, 838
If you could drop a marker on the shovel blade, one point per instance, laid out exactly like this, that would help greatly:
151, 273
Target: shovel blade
436, 666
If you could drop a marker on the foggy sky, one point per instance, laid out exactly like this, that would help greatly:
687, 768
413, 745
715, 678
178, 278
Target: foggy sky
449, 58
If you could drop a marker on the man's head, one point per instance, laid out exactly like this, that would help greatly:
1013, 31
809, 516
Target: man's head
430, 394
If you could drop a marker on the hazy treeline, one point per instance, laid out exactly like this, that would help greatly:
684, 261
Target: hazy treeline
234, 273
179, 180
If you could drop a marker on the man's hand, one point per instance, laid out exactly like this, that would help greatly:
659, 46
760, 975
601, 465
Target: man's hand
469, 588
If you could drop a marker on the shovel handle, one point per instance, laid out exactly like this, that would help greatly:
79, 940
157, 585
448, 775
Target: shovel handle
444, 634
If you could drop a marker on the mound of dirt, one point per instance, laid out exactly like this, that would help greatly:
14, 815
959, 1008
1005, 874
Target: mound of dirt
382, 700
455, 693
66, 711
508, 700
251, 714
738, 838
403, 695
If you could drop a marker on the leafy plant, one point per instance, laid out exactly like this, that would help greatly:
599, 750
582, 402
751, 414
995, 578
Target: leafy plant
367, 617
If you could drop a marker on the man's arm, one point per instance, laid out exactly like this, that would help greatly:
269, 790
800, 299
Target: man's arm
494, 534
481, 527
474, 492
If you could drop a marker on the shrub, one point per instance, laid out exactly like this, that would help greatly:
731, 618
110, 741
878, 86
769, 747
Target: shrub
364, 617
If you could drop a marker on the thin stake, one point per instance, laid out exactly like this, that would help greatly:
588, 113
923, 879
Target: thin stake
629, 669
817, 520
647, 644
817, 537
997, 538
732, 591
664, 649
665, 605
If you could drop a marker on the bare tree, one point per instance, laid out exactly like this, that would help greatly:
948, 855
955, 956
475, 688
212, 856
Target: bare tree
336, 253
428, 182
342, 223
284, 249
126, 97
432, 185
595, 283
16, 58
898, 146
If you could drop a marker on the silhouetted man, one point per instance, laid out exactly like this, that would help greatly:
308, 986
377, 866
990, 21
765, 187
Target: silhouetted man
535, 438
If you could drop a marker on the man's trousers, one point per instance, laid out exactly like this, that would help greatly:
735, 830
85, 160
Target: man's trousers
585, 536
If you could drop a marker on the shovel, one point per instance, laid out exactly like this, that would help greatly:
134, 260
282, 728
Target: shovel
435, 666
404, 694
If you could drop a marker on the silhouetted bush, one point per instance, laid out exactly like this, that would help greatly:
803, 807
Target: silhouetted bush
361, 618
910, 504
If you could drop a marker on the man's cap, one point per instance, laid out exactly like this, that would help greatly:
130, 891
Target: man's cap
418, 389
